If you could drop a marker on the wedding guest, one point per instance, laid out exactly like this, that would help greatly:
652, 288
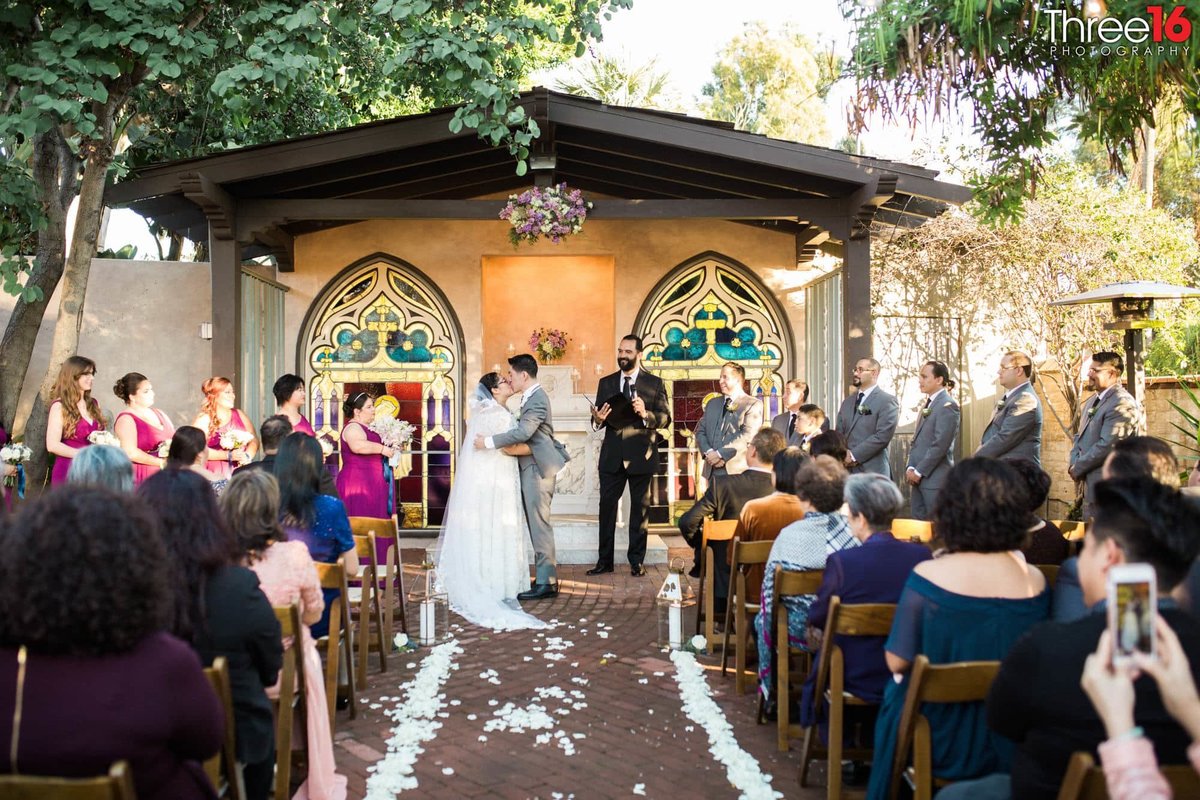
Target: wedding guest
286, 574
104, 466
220, 415
970, 604
317, 520
103, 681
270, 434
74, 415
873, 573
763, 518
361, 483
189, 451
289, 399
1045, 543
219, 609
829, 443
803, 545
811, 422
141, 427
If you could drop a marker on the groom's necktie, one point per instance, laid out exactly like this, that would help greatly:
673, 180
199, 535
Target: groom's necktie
628, 390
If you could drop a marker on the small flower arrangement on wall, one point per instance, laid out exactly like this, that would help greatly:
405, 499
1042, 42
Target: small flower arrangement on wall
550, 213
549, 344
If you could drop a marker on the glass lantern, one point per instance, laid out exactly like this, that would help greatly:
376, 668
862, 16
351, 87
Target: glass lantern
432, 606
674, 597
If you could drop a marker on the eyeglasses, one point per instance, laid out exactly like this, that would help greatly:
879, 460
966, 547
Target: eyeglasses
88, 372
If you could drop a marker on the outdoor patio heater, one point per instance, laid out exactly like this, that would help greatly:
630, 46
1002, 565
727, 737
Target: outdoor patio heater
1133, 312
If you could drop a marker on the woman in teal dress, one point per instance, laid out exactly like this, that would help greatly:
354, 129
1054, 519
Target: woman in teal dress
970, 604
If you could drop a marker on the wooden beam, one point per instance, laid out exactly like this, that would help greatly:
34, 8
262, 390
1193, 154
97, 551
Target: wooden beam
281, 245
863, 204
218, 207
225, 265
808, 243
857, 339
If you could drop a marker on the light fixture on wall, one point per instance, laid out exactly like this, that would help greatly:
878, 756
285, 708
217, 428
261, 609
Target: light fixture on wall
206, 330
542, 162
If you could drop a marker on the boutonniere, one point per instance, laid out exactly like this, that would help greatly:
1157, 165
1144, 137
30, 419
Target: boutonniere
806, 446
863, 411
1092, 411
925, 411
1000, 404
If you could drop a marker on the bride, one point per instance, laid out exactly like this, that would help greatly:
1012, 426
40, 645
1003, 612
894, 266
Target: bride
482, 553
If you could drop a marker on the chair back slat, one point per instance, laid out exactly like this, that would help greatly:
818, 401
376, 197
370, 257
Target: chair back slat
1072, 529
718, 530
863, 619
222, 769
790, 582
116, 785
369, 607
382, 527
333, 576
746, 554
912, 530
292, 695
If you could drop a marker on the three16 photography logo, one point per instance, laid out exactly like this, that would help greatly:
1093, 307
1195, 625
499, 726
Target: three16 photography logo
1162, 31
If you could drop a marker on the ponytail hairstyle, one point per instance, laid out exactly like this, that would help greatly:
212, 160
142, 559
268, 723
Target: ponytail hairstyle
940, 370
212, 388
127, 385
67, 392
186, 445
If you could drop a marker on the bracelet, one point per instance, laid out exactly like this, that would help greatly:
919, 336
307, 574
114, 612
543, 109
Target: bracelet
1135, 732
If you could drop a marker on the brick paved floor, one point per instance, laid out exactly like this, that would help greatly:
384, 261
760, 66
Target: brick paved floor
624, 720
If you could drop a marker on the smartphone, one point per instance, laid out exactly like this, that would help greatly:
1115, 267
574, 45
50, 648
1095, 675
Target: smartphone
1132, 606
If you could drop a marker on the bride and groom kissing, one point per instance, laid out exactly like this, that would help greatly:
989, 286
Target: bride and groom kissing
505, 479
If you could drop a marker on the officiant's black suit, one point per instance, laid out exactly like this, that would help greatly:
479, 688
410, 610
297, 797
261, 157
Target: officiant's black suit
629, 453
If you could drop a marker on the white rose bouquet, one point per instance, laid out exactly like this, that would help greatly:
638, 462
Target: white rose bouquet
326, 446
163, 449
14, 455
103, 437
233, 440
394, 433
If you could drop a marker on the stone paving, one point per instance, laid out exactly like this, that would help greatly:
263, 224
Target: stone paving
618, 726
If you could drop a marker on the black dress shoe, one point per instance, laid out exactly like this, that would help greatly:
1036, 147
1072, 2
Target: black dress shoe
694, 572
600, 569
637, 570
540, 591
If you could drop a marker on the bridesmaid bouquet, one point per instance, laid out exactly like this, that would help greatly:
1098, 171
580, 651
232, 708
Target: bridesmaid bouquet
103, 437
326, 446
164, 448
14, 455
394, 433
235, 440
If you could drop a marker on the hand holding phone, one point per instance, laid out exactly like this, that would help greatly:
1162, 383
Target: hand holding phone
1132, 611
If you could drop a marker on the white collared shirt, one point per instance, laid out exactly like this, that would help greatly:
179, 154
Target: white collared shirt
1013, 391
867, 393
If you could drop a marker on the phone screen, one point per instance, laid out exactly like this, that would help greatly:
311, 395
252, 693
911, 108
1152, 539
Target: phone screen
1132, 617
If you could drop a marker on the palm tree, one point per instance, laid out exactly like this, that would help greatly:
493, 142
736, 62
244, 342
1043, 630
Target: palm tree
619, 82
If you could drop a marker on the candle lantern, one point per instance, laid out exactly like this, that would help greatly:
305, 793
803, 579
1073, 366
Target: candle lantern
674, 597
431, 604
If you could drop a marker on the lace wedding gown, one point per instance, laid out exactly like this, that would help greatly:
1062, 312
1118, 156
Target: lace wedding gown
482, 553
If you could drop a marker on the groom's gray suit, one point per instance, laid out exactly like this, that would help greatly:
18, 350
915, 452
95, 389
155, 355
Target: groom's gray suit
535, 427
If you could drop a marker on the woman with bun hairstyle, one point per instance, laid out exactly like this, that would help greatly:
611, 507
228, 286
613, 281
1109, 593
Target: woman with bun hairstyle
141, 427
74, 415
219, 415
361, 483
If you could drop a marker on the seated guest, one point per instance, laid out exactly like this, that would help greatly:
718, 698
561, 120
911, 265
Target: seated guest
764, 517
829, 443
810, 423
873, 573
287, 575
1036, 700
1045, 543
970, 604
803, 545
317, 520
103, 466
271, 434
189, 451
724, 498
220, 610
102, 680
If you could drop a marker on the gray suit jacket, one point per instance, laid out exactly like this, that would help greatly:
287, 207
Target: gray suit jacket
728, 432
535, 426
780, 423
869, 434
1103, 422
1016, 428
932, 450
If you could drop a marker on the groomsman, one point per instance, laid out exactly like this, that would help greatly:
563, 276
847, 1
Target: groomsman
795, 394
810, 423
629, 453
868, 420
1110, 415
1016, 428
727, 425
932, 452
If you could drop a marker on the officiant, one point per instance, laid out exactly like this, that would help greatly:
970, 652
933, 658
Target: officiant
631, 405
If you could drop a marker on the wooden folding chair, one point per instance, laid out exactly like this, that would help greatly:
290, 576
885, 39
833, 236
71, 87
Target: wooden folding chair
366, 599
222, 769
1085, 781
390, 573
912, 530
116, 785
1072, 529
959, 682
291, 707
788, 583
340, 638
712, 531
739, 609
860, 619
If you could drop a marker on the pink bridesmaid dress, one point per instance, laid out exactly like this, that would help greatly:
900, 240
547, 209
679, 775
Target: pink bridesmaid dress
303, 426
361, 483
286, 575
79, 440
148, 440
225, 468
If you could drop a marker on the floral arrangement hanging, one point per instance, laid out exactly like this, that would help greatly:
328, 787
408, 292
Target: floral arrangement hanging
549, 344
549, 213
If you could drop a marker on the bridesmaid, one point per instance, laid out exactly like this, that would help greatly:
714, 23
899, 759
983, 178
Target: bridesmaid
361, 483
74, 414
141, 427
218, 414
290, 398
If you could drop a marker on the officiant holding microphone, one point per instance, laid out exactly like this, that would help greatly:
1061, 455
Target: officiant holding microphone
631, 405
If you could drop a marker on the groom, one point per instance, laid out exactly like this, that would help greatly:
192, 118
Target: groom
538, 470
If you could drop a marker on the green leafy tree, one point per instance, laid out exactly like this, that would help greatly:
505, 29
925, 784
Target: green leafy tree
87, 79
773, 83
913, 58
620, 82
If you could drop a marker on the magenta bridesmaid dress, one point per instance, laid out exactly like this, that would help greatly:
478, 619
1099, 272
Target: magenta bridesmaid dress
303, 426
360, 483
225, 468
148, 440
79, 440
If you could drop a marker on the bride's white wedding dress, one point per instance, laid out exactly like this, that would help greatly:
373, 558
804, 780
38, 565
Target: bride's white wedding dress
482, 553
